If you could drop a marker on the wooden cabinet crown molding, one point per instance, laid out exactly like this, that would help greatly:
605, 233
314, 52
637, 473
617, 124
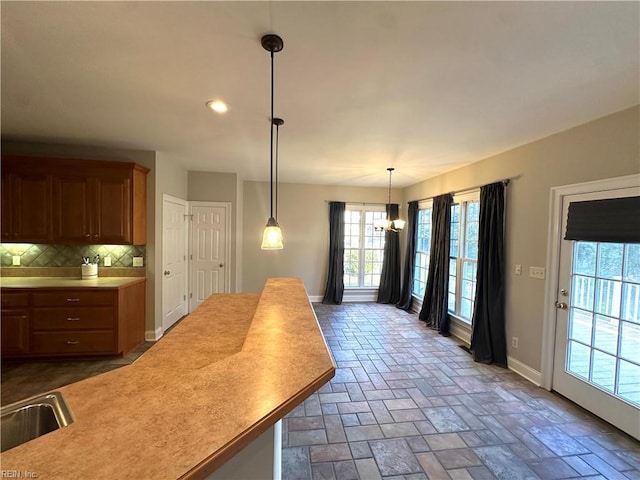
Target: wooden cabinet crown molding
73, 201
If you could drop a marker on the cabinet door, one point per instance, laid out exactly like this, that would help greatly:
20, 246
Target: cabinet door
7, 205
14, 332
112, 211
31, 208
72, 201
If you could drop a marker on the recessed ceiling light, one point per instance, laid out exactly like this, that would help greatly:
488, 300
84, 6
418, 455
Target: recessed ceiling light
217, 106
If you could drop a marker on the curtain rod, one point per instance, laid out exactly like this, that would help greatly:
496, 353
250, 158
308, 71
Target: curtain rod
357, 203
505, 181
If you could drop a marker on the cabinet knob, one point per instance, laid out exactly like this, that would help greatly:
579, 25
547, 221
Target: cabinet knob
73, 299
167, 272
73, 319
72, 342
87, 235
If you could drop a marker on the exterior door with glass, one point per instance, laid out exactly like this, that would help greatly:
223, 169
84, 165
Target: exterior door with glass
597, 339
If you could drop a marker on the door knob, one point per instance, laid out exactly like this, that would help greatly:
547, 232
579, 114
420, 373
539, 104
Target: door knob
561, 305
167, 272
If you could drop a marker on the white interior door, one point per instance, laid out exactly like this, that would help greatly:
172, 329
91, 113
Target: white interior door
597, 339
174, 260
210, 254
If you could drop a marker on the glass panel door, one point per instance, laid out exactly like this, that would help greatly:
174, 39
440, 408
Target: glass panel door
597, 347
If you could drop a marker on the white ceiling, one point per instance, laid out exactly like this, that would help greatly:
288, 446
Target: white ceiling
425, 87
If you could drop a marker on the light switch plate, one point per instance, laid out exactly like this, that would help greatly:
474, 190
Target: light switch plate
138, 262
107, 261
536, 272
15, 260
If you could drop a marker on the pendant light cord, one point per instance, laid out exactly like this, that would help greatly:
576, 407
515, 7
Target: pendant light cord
277, 141
271, 152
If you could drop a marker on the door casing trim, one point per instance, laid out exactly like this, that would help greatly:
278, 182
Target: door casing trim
556, 200
185, 204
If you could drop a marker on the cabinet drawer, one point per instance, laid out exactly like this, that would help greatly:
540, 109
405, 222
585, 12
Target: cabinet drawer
14, 299
74, 298
72, 342
78, 318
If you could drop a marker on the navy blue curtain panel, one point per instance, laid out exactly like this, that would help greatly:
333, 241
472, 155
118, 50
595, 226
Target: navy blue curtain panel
615, 220
389, 288
488, 338
334, 289
406, 294
434, 306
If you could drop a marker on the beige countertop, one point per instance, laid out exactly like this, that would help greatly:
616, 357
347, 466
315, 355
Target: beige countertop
67, 282
213, 384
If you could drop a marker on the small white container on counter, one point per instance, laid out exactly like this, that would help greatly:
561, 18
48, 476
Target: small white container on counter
90, 271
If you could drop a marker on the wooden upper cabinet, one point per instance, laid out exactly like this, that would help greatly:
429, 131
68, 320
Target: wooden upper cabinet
26, 207
87, 202
112, 210
72, 209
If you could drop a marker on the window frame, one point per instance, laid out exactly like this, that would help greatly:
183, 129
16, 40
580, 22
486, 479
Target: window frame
461, 258
423, 205
362, 249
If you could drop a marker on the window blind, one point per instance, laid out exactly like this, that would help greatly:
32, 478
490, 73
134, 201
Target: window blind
614, 220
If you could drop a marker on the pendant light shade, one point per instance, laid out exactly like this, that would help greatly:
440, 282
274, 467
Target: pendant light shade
272, 235
389, 224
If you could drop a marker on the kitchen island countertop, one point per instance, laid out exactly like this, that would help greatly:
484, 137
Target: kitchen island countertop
218, 380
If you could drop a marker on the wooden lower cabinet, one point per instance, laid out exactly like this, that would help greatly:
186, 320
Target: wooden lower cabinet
72, 322
14, 332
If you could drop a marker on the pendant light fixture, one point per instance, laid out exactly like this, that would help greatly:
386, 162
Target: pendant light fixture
389, 224
272, 236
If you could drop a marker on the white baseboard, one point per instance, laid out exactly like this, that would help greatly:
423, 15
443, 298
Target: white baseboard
461, 333
153, 335
525, 371
516, 366
349, 297
360, 297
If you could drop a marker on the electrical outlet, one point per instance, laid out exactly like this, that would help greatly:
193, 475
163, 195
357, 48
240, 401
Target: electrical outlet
107, 261
15, 260
518, 270
515, 343
138, 262
536, 272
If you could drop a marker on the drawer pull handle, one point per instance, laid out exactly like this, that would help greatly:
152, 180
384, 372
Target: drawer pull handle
73, 319
73, 299
72, 342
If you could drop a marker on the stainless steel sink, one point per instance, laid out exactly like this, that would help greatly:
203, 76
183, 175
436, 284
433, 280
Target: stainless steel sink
32, 418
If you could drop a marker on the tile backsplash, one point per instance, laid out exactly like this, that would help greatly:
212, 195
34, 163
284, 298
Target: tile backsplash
36, 255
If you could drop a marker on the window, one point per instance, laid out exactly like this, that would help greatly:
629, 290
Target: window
423, 247
463, 255
604, 317
363, 246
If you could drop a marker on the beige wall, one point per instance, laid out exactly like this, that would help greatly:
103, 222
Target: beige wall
605, 148
142, 157
303, 214
219, 187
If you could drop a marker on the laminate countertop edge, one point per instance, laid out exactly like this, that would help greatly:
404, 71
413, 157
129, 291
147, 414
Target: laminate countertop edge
58, 283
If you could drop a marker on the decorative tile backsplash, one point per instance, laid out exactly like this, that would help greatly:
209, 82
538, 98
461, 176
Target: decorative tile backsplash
34, 255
